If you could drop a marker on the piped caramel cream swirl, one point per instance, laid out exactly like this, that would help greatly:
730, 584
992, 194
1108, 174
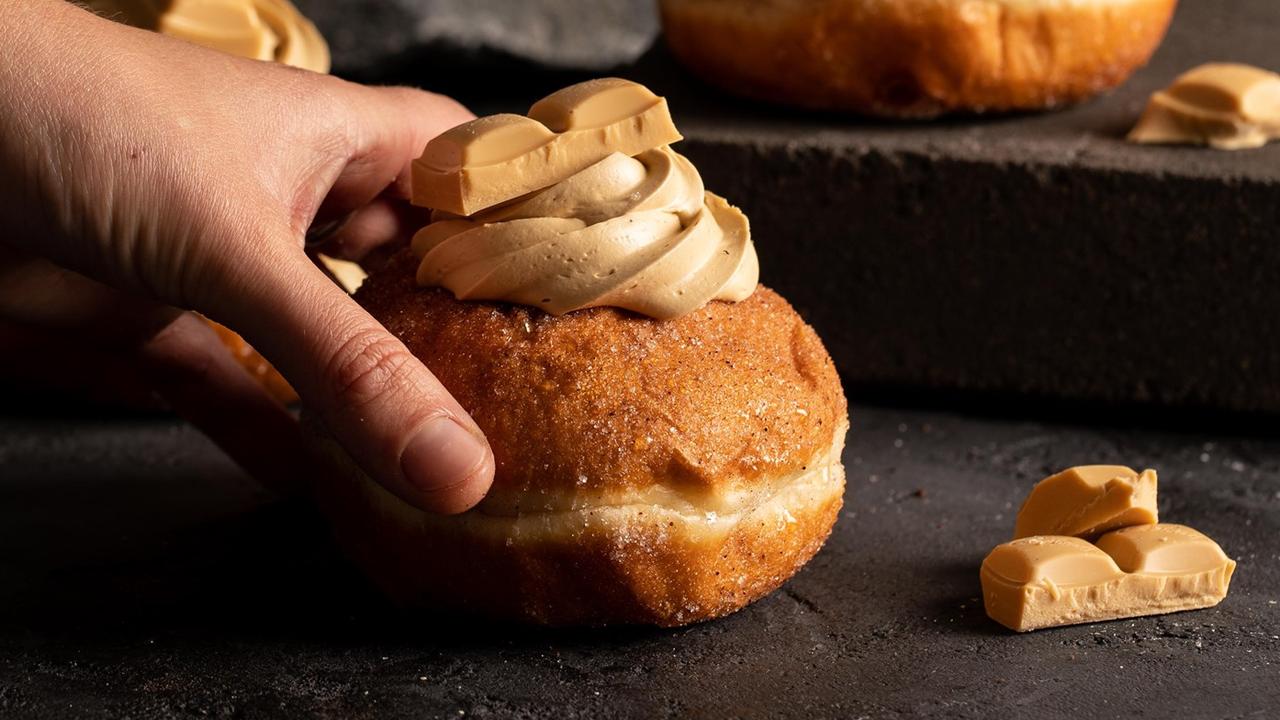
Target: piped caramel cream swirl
639, 233
258, 29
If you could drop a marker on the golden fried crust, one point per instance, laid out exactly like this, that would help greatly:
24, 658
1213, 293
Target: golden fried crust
602, 403
256, 365
916, 58
659, 472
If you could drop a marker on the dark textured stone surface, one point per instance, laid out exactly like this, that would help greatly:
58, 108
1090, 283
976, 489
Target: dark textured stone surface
370, 37
142, 576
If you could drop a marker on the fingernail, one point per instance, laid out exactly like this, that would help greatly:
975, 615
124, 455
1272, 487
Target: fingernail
441, 455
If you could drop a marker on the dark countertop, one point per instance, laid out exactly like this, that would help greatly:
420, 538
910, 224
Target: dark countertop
143, 576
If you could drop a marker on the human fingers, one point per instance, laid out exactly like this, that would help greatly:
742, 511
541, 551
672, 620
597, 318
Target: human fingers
387, 128
38, 361
378, 400
189, 367
68, 332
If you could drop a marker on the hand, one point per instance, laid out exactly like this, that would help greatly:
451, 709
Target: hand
143, 175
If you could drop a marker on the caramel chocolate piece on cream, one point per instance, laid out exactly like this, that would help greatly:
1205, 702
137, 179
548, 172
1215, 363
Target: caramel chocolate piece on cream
1046, 581
491, 160
1088, 500
1228, 106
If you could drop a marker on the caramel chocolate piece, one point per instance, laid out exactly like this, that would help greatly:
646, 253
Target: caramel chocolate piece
1046, 581
491, 160
1088, 500
1228, 106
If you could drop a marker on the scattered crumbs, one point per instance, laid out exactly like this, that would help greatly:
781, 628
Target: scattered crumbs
874, 479
897, 443
919, 493
1237, 466
1204, 457
902, 427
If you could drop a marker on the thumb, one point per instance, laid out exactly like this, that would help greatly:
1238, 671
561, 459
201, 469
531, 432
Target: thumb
379, 401
388, 128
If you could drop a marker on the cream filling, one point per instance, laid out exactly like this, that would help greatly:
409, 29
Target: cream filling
656, 507
635, 233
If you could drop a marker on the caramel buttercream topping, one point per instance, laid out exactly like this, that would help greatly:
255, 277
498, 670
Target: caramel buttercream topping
259, 29
1045, 581
1087, 501
633, 228
1228, 106
495, 159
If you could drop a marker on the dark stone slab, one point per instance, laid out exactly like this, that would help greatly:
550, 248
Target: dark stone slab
143, 576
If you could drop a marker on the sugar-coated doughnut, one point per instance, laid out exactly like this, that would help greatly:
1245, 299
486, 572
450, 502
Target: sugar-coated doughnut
659, 472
